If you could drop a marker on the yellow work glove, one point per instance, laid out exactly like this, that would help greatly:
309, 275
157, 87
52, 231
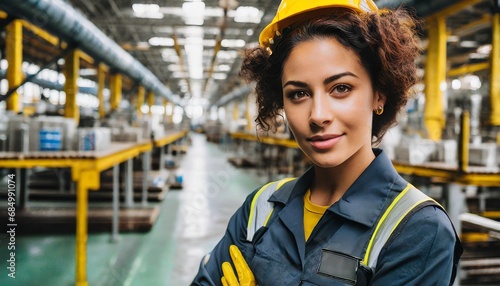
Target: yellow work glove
245, 275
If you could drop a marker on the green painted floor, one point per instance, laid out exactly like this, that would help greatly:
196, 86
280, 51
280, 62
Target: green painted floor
191, 221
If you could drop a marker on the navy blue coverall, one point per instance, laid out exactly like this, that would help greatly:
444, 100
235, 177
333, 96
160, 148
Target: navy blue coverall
420, 253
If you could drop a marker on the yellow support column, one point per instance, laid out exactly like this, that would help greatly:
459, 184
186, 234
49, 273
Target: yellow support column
101, 81
71, 73
86, 180
151, 101
236, 111
115, 86
170, 115
81, 234
140, 100
435, 75
165, 117
495, 71
14, 54
463, 151
248, 116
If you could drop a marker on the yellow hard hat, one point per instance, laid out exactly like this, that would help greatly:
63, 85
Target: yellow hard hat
289, 9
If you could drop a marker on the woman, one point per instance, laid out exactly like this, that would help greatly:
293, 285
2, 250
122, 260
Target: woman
340, 70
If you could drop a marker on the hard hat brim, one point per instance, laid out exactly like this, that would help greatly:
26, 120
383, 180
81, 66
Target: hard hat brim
277, 25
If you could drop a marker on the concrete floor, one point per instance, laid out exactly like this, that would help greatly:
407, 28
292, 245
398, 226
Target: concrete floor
191, 221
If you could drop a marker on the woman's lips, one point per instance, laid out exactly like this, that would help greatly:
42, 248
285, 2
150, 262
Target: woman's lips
323, 142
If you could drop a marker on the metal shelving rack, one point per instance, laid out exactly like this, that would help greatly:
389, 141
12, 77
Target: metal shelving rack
86, 167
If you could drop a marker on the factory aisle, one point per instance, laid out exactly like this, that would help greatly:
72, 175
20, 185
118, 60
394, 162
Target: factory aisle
191, 221
195, 218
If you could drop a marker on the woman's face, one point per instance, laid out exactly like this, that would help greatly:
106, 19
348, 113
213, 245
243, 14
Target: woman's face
329, 101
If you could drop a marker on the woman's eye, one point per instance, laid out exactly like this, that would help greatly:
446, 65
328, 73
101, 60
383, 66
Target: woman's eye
342, 88
296, 94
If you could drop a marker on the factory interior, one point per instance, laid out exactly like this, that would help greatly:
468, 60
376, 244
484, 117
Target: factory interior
127, 137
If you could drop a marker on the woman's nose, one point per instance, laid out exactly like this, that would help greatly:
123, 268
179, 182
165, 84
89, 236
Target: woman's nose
320, 113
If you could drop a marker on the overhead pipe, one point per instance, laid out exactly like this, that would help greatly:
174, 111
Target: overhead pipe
53, 84
235, 94
62, 20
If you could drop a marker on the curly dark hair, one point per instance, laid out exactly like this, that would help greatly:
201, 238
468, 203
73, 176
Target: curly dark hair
386, 43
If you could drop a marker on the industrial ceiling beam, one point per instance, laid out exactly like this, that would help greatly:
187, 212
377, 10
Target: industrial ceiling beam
62, 20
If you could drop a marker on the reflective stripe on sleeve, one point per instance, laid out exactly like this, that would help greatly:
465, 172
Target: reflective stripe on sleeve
404, 203
260, 208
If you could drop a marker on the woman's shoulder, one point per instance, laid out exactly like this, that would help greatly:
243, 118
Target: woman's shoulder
429, 221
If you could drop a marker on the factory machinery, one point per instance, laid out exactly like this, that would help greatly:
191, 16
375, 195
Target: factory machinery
57, 163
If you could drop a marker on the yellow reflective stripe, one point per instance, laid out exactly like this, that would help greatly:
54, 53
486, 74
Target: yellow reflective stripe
382, 219
283, 181
280, 183
268, 216
252, 205
406, 213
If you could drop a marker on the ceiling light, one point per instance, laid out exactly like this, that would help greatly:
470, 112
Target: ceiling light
60, 78
161, 41
453, 39
145, 8
83, 82
478, 56
219, 76
209, 42
486, 49
158, 109
456, 84
4, 86
443, 86
32, 68
471, 82
248, 14
4, 64
224, 68
150, 11
194, 13
227, 55
475, 83
233, 43
169, 56
468, 44
194, 52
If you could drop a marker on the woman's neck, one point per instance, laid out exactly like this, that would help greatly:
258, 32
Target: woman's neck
330, 184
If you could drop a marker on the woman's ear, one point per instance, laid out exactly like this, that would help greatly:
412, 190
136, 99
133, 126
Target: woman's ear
379, 100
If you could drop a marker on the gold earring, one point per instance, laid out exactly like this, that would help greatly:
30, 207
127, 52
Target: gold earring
379, 110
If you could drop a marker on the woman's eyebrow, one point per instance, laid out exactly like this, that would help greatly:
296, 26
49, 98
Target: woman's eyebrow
337, 76
296, 83
326, 81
